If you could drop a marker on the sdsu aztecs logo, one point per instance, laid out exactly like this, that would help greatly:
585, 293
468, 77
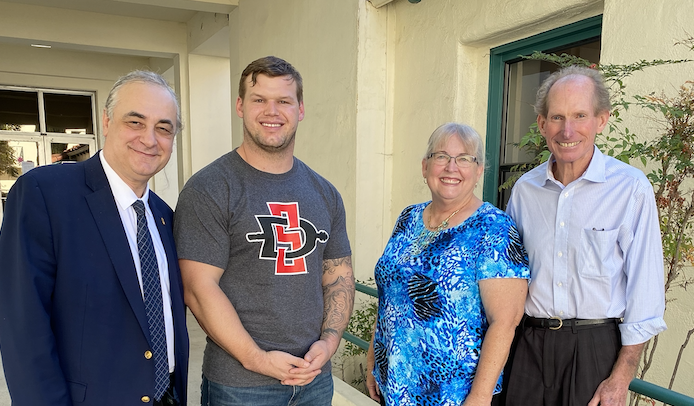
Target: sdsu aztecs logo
286, 238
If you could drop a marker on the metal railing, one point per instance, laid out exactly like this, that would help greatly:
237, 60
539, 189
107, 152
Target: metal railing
644, 388
655, 392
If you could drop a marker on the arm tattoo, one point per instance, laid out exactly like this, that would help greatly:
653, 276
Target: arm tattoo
330, 265
338, 296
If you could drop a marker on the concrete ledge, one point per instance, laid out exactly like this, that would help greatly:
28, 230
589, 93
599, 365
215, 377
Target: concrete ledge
345, 395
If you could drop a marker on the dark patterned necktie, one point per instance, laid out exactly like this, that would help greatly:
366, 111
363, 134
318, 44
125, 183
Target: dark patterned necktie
151, 285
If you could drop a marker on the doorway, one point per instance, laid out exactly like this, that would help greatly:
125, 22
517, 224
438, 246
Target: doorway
42, 127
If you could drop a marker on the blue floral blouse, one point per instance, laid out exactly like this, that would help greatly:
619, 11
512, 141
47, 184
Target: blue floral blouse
431, 322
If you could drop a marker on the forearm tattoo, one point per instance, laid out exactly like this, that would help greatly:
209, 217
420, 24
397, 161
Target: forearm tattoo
338, 296
331, 265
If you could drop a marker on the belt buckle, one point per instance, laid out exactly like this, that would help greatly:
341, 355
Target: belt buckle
561, 323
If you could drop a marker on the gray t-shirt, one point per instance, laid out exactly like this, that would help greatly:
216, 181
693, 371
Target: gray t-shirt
270, 233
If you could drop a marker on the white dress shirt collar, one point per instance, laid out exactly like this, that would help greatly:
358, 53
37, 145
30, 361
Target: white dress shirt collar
123, 194
594, 173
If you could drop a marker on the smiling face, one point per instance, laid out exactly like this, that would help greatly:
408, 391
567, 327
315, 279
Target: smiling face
572, 123
449, 182
139, 136
271, 112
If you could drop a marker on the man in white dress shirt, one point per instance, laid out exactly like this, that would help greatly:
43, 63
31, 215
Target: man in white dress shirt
590, 225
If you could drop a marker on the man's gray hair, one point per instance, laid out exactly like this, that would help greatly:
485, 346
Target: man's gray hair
142, 76
601, 96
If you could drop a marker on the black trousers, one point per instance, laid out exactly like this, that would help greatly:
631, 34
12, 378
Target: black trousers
559, 367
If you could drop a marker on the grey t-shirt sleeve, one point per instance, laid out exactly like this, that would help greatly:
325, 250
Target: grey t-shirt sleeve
338, 245
200, 228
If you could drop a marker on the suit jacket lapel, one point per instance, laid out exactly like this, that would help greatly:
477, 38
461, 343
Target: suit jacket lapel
108, 221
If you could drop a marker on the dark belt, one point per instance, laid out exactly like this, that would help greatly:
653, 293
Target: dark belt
555, 323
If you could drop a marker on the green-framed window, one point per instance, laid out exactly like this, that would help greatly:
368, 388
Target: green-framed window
513, 83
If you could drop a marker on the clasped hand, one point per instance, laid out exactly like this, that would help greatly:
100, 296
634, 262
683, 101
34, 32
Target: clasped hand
291, 370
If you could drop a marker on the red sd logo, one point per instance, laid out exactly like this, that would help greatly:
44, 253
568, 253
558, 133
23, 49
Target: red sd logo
286, 238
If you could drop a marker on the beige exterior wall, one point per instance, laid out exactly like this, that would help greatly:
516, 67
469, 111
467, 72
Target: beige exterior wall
442, 70
649, 30
210, 109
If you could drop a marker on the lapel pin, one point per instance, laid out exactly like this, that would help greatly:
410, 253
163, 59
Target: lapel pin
162, 221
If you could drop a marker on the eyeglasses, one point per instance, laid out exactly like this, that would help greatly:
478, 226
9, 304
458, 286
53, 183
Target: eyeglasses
462, 160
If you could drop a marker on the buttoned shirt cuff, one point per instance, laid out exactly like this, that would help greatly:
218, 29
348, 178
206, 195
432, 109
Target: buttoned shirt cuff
637, 333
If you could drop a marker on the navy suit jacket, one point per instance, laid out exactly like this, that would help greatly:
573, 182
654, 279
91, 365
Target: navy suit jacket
73, 327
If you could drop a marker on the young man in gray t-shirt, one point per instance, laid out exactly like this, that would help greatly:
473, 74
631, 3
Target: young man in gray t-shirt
265, 257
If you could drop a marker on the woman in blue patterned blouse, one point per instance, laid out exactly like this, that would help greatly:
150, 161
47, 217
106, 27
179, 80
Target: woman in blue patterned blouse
451, 284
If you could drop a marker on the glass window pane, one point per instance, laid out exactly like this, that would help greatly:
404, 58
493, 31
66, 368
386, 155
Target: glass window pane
19, 111
523, 79
16, 158
68, 113
62, 152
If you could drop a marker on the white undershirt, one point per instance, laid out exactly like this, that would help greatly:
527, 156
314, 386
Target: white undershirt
125, 197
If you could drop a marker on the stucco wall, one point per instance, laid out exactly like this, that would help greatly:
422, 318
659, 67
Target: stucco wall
649, 30
210, 109
442, 70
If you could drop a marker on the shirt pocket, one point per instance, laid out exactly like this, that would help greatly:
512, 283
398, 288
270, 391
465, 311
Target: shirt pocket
597, 252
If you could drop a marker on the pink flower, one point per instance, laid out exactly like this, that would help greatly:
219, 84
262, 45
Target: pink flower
20, 159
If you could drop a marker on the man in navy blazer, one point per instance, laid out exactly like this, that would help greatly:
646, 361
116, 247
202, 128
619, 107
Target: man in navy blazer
73, 324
